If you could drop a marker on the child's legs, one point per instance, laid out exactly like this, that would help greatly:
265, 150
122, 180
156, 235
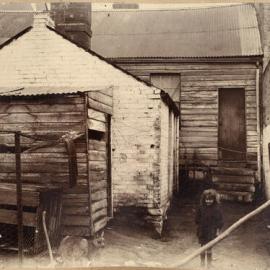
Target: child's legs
203, 254
209, 256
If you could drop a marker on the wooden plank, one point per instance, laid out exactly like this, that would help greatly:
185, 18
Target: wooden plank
67, 117
99, 106
28, 198
97, 145
96, 125
99, 195
97, 166
41, 178
101, 98
96, 155
42, 167
99, 205
99, 225
62, 99
7, 108
98, 185
76, 210
231, 83
96, 115
199, 123
41, 157
193, 117
72, 220
235, 187
10, 217
82, 231
39, 128
221, 77
100, 214
98, 175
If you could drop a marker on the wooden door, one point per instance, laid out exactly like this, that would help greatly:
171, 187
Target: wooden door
232, 130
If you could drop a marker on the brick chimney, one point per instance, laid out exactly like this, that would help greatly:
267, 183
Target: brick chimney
41, 19
74, 21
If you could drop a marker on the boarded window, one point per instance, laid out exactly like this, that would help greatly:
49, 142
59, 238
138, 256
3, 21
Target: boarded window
170, 83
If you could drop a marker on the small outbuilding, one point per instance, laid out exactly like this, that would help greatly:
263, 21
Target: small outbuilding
106, 138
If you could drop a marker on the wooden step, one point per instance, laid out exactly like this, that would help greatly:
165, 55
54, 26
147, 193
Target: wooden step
235, 187
236, 196
232, 171
241, 179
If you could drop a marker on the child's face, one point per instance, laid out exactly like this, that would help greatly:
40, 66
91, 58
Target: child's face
209, 201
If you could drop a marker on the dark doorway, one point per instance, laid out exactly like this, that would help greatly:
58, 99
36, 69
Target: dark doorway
232, 131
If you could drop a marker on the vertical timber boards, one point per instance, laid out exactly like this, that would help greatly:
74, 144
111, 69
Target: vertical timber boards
199, 104
99, 111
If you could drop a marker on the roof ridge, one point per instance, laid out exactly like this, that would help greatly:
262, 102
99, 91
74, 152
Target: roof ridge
176, 9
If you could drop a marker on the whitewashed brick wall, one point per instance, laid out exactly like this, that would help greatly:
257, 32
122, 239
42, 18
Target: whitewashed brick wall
135, 146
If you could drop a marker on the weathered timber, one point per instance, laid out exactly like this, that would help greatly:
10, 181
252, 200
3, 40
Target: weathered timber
100, 224
59, 117
10, 217
97, 155
100, 214
98, 185
235, 187
99, 205
97, 145
99, 116
99, 106
96, 125
76, 210
76, 220
99, 195
101, 98
37, 108
249, 179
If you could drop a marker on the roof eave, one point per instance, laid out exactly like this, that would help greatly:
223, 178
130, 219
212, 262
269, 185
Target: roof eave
215, 59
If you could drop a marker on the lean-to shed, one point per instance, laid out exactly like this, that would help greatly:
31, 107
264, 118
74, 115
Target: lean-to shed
49, 87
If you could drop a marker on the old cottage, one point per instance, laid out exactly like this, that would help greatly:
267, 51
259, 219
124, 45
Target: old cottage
55, 90
209, 61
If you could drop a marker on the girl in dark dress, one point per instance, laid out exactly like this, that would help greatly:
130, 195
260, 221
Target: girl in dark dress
209, 221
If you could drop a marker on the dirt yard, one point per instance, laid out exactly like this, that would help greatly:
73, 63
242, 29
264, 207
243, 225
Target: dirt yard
129, 243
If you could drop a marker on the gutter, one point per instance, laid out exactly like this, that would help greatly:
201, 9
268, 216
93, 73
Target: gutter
169, 102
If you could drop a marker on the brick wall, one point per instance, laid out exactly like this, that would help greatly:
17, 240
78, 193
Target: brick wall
135, 146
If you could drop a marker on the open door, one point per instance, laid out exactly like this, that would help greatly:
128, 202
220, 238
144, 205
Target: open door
232, 128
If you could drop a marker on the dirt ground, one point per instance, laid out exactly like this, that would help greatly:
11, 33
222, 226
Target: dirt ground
129, 243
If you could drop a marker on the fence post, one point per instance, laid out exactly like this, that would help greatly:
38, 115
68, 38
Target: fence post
19, 196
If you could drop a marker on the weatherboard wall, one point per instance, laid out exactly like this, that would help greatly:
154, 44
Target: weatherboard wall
199, 103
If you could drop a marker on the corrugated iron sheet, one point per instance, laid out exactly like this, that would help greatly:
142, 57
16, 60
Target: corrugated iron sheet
39, 91
205, 32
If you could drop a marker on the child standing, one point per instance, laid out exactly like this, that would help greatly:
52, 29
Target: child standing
209, 221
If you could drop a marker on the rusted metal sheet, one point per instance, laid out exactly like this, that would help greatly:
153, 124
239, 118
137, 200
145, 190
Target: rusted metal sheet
202, 32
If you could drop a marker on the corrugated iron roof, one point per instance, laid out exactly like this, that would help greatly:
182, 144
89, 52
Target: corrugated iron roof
205, 32
40, 91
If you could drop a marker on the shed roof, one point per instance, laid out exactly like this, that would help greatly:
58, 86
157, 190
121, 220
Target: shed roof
222, 31
41, 61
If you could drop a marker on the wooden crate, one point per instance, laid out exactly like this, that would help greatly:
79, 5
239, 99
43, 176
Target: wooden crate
35, 200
